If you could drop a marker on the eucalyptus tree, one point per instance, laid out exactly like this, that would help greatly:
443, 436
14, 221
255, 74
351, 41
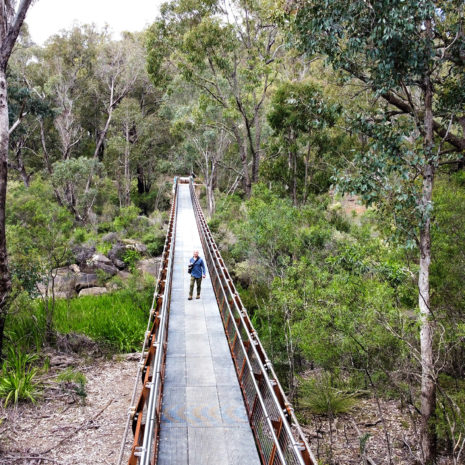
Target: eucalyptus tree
12, 16
228, 51
118, 67
298, 115
410, 53
208, 140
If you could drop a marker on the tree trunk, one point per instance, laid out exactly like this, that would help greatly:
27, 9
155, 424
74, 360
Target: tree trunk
256, 152
11, 25
242, 144
5, 282
428, 377
127, 173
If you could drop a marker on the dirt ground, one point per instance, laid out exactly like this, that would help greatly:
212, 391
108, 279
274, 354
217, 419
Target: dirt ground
63, 428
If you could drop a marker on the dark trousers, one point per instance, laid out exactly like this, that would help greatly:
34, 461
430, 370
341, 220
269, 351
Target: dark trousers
199, 285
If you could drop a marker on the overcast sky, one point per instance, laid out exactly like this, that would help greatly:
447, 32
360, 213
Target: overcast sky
47, 17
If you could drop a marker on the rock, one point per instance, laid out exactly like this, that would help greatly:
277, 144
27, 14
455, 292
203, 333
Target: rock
85, 280
101, 262
75, 269
124, 275
135, 245
111, 237
64, 285
93, 291
149, 266
117, 252
100, 258
82, 253
119, 264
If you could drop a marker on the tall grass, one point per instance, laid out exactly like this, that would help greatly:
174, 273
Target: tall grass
117, 320
17, 378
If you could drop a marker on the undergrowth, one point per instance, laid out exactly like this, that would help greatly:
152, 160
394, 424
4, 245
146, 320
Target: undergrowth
17, 378
117, 320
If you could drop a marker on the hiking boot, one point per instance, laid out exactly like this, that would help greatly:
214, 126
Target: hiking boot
198, 297
189, 298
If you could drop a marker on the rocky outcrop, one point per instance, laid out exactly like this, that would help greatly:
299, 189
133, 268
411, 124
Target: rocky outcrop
83, 278
82, 253
63, 285
135, 245
86, 280
149, 266
93, 291
101, 262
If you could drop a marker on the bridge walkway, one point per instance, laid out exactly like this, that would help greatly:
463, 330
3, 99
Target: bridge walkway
204, 420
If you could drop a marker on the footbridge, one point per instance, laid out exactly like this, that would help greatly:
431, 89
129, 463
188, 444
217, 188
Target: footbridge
207, 392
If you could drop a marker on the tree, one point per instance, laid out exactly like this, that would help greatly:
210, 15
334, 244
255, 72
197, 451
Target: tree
119, 65
298, 115
228, 51
11, 20
409, 53
39, 231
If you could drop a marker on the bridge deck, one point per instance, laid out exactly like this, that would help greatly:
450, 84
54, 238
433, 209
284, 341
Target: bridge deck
204, 420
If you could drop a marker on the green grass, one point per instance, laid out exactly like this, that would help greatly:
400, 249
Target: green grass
117, 320
75, 378
319, 397
17, 378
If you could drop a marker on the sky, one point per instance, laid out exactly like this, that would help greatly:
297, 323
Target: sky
47, 17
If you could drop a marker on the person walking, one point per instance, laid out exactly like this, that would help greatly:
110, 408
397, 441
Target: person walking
197, 270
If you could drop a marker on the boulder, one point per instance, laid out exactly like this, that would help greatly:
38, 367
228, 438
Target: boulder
64, 284
101, 262
111, 237
86, 280
98, 257
119, 264
135, 245
75, 269
82, 253
149, 266
124, 275
93, 291
117, 252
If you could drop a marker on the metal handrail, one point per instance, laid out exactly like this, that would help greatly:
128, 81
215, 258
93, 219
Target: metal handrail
276, 411
146, 414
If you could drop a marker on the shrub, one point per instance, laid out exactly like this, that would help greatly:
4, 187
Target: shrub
74, 379
319, 397
126, 218
17, 378
154, 243
131, 257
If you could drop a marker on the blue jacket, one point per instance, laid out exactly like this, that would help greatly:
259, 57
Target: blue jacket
198, 270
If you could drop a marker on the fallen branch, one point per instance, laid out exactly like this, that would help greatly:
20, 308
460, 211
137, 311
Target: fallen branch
84, 424
22, 457
377, 422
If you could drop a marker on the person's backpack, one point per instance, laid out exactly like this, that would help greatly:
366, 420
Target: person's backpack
191, 265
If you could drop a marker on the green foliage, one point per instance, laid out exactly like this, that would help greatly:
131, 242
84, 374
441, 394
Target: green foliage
17, 378
154, 242
320, 397
117, 320
131, 257
127, 218
70, 178
38, 232
74, 377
